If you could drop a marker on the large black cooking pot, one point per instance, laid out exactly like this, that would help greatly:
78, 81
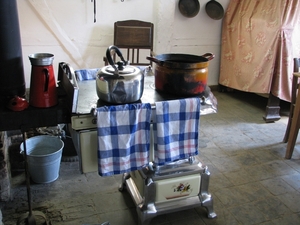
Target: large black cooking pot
181, 74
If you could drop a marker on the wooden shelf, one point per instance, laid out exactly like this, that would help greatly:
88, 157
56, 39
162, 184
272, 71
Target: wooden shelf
35, 117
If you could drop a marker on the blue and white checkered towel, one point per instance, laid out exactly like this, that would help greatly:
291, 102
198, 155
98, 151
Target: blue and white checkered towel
123, 138
176, 129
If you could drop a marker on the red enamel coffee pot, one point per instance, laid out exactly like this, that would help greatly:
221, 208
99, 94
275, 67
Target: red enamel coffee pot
42, 83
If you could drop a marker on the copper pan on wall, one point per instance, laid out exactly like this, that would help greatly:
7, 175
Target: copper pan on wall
189, 8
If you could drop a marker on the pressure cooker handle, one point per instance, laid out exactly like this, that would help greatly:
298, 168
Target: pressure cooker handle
209, 56
110, 60
155, 60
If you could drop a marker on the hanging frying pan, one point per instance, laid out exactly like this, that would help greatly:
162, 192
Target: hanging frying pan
214, 10
189, 8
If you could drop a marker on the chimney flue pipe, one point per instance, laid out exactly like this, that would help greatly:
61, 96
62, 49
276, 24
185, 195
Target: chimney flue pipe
12, 81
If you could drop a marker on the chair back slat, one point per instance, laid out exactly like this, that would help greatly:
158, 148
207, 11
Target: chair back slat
136, 38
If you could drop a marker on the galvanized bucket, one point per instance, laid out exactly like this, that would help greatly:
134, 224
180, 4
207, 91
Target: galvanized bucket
43, 155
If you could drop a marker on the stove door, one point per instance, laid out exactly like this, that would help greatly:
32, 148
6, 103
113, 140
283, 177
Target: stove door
177, 188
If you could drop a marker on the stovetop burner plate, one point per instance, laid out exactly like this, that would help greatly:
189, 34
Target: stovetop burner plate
88, 99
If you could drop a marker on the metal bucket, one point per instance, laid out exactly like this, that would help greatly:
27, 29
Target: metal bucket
43, 155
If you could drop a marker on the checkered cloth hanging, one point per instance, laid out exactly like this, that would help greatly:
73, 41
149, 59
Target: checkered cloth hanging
123, 138
176, 129
88, 74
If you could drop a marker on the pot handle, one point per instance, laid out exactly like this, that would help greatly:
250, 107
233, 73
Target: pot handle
153, 59
209, 56
110, 60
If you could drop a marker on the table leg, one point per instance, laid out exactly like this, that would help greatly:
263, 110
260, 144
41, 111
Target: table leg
294, 129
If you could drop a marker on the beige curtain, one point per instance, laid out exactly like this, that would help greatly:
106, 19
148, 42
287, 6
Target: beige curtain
260, 38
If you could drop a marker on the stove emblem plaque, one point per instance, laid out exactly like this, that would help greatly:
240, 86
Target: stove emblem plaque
181, 190
177, 187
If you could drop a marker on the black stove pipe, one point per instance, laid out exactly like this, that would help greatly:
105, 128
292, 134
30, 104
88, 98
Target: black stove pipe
12, 81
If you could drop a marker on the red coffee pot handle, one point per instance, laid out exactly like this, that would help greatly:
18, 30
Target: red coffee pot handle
46, 72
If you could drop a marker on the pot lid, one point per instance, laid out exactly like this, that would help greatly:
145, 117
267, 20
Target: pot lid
127, 70
124, 71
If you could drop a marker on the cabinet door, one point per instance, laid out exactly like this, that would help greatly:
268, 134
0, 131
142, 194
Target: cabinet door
88, 149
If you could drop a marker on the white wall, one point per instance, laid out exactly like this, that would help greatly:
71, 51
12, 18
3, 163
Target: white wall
66, 29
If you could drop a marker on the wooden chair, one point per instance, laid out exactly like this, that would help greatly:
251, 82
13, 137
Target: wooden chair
294, 115
133, 36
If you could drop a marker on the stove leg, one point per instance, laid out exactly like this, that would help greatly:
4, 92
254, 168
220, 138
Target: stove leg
145, 216
141, 218
123, 184
207, 202
204, 196
147, 211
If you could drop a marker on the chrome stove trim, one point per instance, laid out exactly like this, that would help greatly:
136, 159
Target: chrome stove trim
135, 194
146, 206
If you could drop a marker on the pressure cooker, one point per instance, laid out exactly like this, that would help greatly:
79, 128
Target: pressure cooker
119, 82
181, 74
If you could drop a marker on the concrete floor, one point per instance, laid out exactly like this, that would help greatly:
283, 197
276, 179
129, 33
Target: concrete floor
251, 182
